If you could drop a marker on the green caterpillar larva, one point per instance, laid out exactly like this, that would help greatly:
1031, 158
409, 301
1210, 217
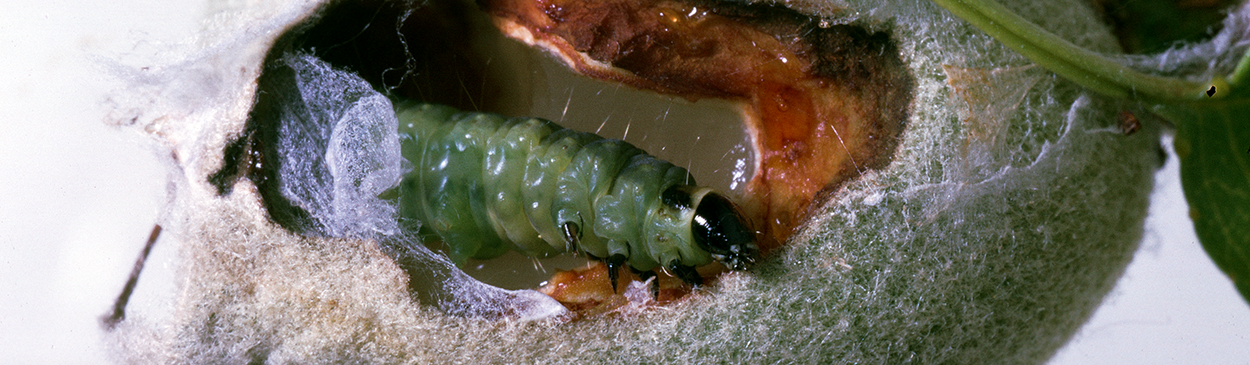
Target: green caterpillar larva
486, 184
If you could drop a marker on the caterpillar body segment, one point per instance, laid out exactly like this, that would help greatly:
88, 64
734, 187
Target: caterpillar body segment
486, 184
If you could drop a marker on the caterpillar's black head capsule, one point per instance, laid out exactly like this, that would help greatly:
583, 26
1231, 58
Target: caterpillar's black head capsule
719, 229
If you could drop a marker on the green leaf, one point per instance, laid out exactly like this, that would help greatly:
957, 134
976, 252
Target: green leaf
1152, 26
1213, 142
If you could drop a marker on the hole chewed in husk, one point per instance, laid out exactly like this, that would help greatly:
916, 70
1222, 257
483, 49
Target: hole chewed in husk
823, 103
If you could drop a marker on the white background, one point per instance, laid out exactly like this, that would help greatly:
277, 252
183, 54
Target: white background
77, 199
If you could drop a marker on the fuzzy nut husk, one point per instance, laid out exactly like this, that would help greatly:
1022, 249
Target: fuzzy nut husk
1011, 207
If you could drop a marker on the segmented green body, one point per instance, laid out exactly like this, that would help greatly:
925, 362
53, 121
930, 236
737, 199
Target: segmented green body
487, 184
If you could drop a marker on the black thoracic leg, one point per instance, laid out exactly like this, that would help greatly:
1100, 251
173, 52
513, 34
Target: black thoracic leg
614, 265
686, 273
644, 275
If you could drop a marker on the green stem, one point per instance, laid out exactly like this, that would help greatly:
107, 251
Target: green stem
1078, 64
